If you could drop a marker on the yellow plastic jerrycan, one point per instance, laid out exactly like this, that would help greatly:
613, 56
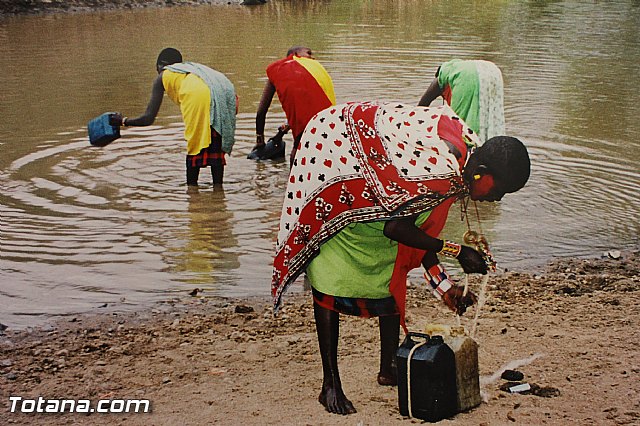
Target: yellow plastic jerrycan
465, 350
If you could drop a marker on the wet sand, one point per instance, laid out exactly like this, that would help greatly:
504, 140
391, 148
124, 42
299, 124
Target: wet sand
200, 360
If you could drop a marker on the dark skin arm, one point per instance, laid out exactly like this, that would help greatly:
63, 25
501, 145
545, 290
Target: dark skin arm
149, 116
432, 92
261, 115
406, 232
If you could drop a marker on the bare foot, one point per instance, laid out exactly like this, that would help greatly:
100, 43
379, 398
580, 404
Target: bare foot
387, 379
335, 401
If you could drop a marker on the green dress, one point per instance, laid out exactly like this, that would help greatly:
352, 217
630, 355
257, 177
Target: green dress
357, 262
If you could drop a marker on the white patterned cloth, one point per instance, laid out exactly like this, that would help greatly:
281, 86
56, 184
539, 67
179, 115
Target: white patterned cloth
363, 162
491, 100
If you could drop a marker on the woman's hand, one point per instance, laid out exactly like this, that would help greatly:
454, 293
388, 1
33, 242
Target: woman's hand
472, 261
456, 301
115, 119
260, 144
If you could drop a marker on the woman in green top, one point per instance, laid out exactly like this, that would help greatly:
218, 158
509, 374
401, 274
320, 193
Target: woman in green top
474, 90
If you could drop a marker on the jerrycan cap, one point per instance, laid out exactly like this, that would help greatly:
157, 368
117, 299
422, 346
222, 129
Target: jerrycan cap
436, 340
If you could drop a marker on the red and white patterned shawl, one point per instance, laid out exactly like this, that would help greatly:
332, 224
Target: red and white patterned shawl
362, 162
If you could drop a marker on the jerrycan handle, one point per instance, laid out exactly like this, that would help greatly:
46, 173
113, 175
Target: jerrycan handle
416, 334
411, 334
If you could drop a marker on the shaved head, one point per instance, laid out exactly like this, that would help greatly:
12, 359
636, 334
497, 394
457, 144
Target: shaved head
168, 56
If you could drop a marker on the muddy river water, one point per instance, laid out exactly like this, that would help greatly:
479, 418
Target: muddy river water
81, 227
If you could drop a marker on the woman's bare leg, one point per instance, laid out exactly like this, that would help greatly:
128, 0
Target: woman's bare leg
328, 330
389, 340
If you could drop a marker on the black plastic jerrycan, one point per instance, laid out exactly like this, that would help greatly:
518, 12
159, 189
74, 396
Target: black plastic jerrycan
426, 378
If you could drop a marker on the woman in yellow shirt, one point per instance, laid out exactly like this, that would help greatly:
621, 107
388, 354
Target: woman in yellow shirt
196, 88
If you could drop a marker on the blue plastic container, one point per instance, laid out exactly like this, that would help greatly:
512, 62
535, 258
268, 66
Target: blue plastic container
101, 133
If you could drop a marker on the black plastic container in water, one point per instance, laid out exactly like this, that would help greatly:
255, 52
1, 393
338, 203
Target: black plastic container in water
272, 150
432, 381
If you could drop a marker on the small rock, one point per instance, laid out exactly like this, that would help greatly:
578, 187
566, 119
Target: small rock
512, 375
101, 363
6, 363
166, 380
614, 254
293, 340
11, 376
243, 309
546, 391
194, 292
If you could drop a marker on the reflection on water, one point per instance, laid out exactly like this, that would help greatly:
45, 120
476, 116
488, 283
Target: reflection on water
202, 250
83, 226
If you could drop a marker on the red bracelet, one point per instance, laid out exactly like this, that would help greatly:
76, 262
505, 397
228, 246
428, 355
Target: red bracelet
439, 280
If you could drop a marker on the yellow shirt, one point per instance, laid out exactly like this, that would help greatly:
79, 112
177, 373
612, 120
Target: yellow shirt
194, 98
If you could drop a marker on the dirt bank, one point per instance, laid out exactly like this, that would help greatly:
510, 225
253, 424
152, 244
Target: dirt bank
201, 360
18, 7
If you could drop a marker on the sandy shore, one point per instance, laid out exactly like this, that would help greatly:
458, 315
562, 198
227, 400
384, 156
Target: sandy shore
23, 7
572, 330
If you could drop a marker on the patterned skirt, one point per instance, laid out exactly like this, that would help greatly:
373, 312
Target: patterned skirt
360, 307
209, 156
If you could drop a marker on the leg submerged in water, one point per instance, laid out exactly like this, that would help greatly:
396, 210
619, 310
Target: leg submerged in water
217, 164
192, 175
389, 340
217, 174
328, 330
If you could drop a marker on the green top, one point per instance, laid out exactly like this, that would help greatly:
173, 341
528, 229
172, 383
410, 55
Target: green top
356, 262
463, 79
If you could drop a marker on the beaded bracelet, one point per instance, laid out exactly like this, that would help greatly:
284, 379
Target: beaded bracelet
450, 249
439, 280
